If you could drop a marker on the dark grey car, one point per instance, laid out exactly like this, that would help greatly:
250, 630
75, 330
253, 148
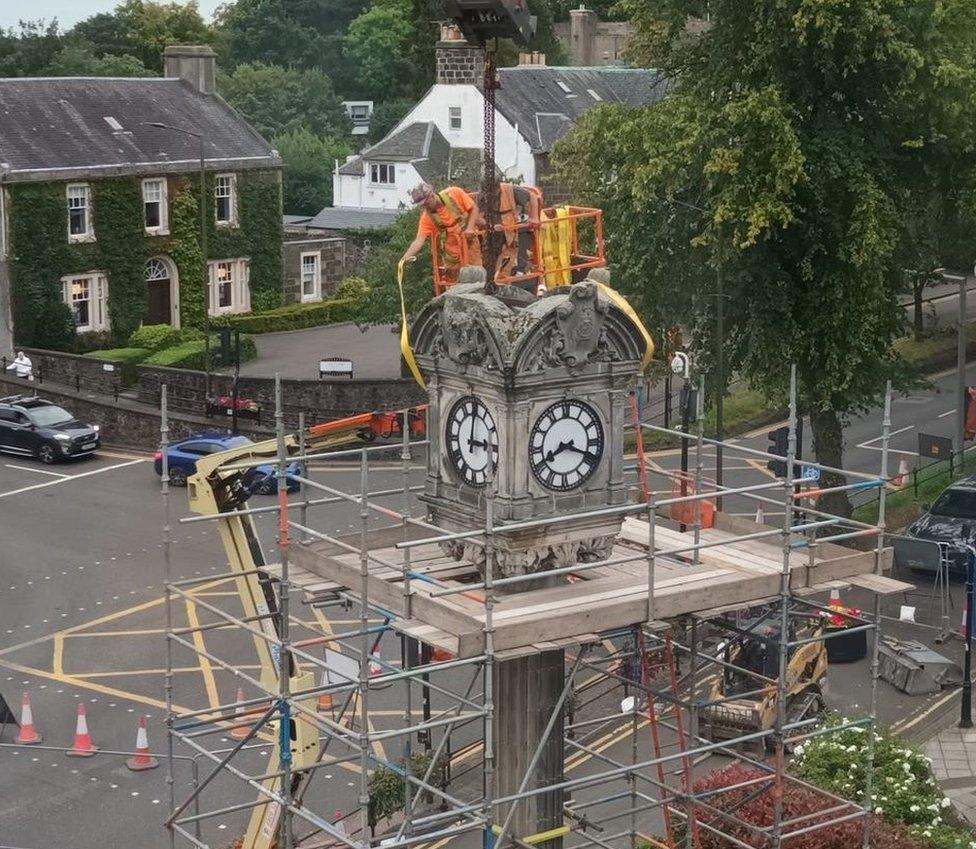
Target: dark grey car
951, 519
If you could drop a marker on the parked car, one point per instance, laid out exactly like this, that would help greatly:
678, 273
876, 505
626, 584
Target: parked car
33, 427
951, 519
183, 458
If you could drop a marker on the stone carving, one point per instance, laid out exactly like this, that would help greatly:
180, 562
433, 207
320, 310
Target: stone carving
462, 337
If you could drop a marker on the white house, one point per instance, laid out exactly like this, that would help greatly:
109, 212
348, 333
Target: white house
441, 139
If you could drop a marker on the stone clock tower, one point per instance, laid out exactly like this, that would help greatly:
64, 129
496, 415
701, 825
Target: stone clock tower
535, 391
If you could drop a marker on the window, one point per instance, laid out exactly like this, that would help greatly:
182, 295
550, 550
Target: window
454, 117
383, 173
311, 277
230, 290
225, 199
154, 205
79, 213
359, 112
87, 296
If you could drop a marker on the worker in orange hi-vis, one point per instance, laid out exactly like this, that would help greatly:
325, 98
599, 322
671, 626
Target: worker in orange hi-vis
451, 217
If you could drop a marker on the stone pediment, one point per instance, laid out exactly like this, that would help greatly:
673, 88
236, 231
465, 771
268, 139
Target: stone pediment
569, 328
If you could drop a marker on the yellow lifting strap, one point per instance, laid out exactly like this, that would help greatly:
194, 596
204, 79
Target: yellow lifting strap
405, 348
541, 837
556, 238
624, 306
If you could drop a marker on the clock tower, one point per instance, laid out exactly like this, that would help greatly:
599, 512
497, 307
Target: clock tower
533, 392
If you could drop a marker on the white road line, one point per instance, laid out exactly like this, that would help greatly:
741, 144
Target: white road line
36, 471
867, 442
946, 413
71, 478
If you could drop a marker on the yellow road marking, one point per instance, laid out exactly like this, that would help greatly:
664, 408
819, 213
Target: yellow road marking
57, 662
126, 672
759, 466
135, 632
121, 455
208, 677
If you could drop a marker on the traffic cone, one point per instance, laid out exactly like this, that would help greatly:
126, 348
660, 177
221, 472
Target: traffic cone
760, 515
27, 735
82, 747
324, 701
142, 760
239, 732
902, 473
834, 600
374, 667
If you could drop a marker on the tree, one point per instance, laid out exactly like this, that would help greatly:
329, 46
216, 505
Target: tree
386, 116
377, 45
307, 177
785, 153
290, 33
79, 60
28, 50
606, 10
277, 100
543, 41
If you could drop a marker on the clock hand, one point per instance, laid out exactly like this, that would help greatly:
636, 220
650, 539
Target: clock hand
479, 442
558, 450
592, 458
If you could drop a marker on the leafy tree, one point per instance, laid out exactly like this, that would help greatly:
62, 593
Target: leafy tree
79, 60
291, 33
308, 161
386, 116
377, 44
29, 49
606, 10
543, 41
278, 100
786, 154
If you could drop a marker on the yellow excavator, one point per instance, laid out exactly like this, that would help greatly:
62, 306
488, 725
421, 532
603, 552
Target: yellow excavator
743, 700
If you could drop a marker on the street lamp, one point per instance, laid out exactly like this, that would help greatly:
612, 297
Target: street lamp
203, 243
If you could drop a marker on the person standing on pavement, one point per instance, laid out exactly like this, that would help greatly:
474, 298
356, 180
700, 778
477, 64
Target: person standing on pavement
22, 366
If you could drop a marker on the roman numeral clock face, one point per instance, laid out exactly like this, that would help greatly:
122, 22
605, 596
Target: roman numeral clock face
566, 445
472, 440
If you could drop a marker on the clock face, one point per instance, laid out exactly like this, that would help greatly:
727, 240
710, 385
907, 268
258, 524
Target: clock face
566, 445
472, 440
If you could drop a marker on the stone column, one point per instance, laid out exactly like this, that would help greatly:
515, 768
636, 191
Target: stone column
525, 691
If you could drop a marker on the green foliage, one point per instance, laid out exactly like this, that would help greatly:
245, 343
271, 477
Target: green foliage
353, 289
386, 116
386, 785
184, 248
306, 181
275, 100
120, 355
29, 49
383, 304
377, 43
155, 337
291, 317
544, 40
91, 340
192, 354
81, 60
791, 146
606, 10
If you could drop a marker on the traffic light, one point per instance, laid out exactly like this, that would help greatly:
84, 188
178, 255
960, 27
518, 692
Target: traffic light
779, 444
482, 20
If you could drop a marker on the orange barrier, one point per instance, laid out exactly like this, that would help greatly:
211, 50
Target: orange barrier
684, 511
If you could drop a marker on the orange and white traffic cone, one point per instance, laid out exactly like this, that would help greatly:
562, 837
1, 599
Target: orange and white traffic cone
239, 732
27, 735
899, 479
834, 600
82, 747
374, 667
324, 701
142, 760
760, 515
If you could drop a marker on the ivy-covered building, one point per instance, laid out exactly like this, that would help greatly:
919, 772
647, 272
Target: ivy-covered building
99, 209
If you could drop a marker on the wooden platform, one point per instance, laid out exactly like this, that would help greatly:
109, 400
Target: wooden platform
607, 597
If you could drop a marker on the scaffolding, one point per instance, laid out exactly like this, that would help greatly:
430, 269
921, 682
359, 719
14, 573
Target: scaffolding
438, 787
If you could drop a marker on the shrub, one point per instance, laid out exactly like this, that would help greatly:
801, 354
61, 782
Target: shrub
386, 785
91, 340
292, 317
129, 357
352, 289
155, 337
192, 354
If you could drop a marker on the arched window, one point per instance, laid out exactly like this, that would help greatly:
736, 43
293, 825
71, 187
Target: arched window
156, 270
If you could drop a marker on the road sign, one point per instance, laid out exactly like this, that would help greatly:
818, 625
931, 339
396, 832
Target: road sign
934, 447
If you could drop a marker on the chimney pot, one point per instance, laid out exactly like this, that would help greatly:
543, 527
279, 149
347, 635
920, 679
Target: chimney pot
197, 64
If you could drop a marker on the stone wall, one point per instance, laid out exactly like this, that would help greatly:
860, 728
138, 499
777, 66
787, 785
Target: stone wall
332, 262
320, 400
591, 42
123, 422
83, 373
554, 192
459, 63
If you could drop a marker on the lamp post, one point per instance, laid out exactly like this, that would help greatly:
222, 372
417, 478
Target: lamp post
966, 709
203, 243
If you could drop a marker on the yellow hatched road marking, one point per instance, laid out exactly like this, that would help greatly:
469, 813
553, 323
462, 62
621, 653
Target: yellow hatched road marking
208, 677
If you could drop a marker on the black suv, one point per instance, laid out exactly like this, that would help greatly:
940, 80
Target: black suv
38, 428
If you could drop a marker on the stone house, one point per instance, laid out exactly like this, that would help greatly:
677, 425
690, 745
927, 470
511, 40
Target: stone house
591, 42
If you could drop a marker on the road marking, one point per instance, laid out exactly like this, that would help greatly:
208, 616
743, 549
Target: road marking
208, 677
946, 413
36, 471
900, 727
867, 444
119, 455
71, 478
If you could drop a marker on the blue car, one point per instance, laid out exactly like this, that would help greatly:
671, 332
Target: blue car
183, 456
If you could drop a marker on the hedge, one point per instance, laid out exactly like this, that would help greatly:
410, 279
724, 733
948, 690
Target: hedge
155, 337
129, 357
292, 317
192, 355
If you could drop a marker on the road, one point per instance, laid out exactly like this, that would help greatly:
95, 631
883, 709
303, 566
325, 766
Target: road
82, 618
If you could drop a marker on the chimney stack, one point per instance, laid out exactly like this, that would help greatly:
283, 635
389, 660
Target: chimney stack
458, 63
582, 36
535, 58
197, 64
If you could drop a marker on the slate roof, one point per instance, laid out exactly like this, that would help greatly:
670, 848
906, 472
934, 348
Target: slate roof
531, 97
421, 144
59, 128
333, 218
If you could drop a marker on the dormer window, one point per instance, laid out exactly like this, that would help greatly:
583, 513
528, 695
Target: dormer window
382, 173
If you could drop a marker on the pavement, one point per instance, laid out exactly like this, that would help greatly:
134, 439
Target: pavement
953, 754
374, 351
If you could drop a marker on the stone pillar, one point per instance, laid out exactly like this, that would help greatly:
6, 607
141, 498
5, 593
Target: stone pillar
582, 36
525, 691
